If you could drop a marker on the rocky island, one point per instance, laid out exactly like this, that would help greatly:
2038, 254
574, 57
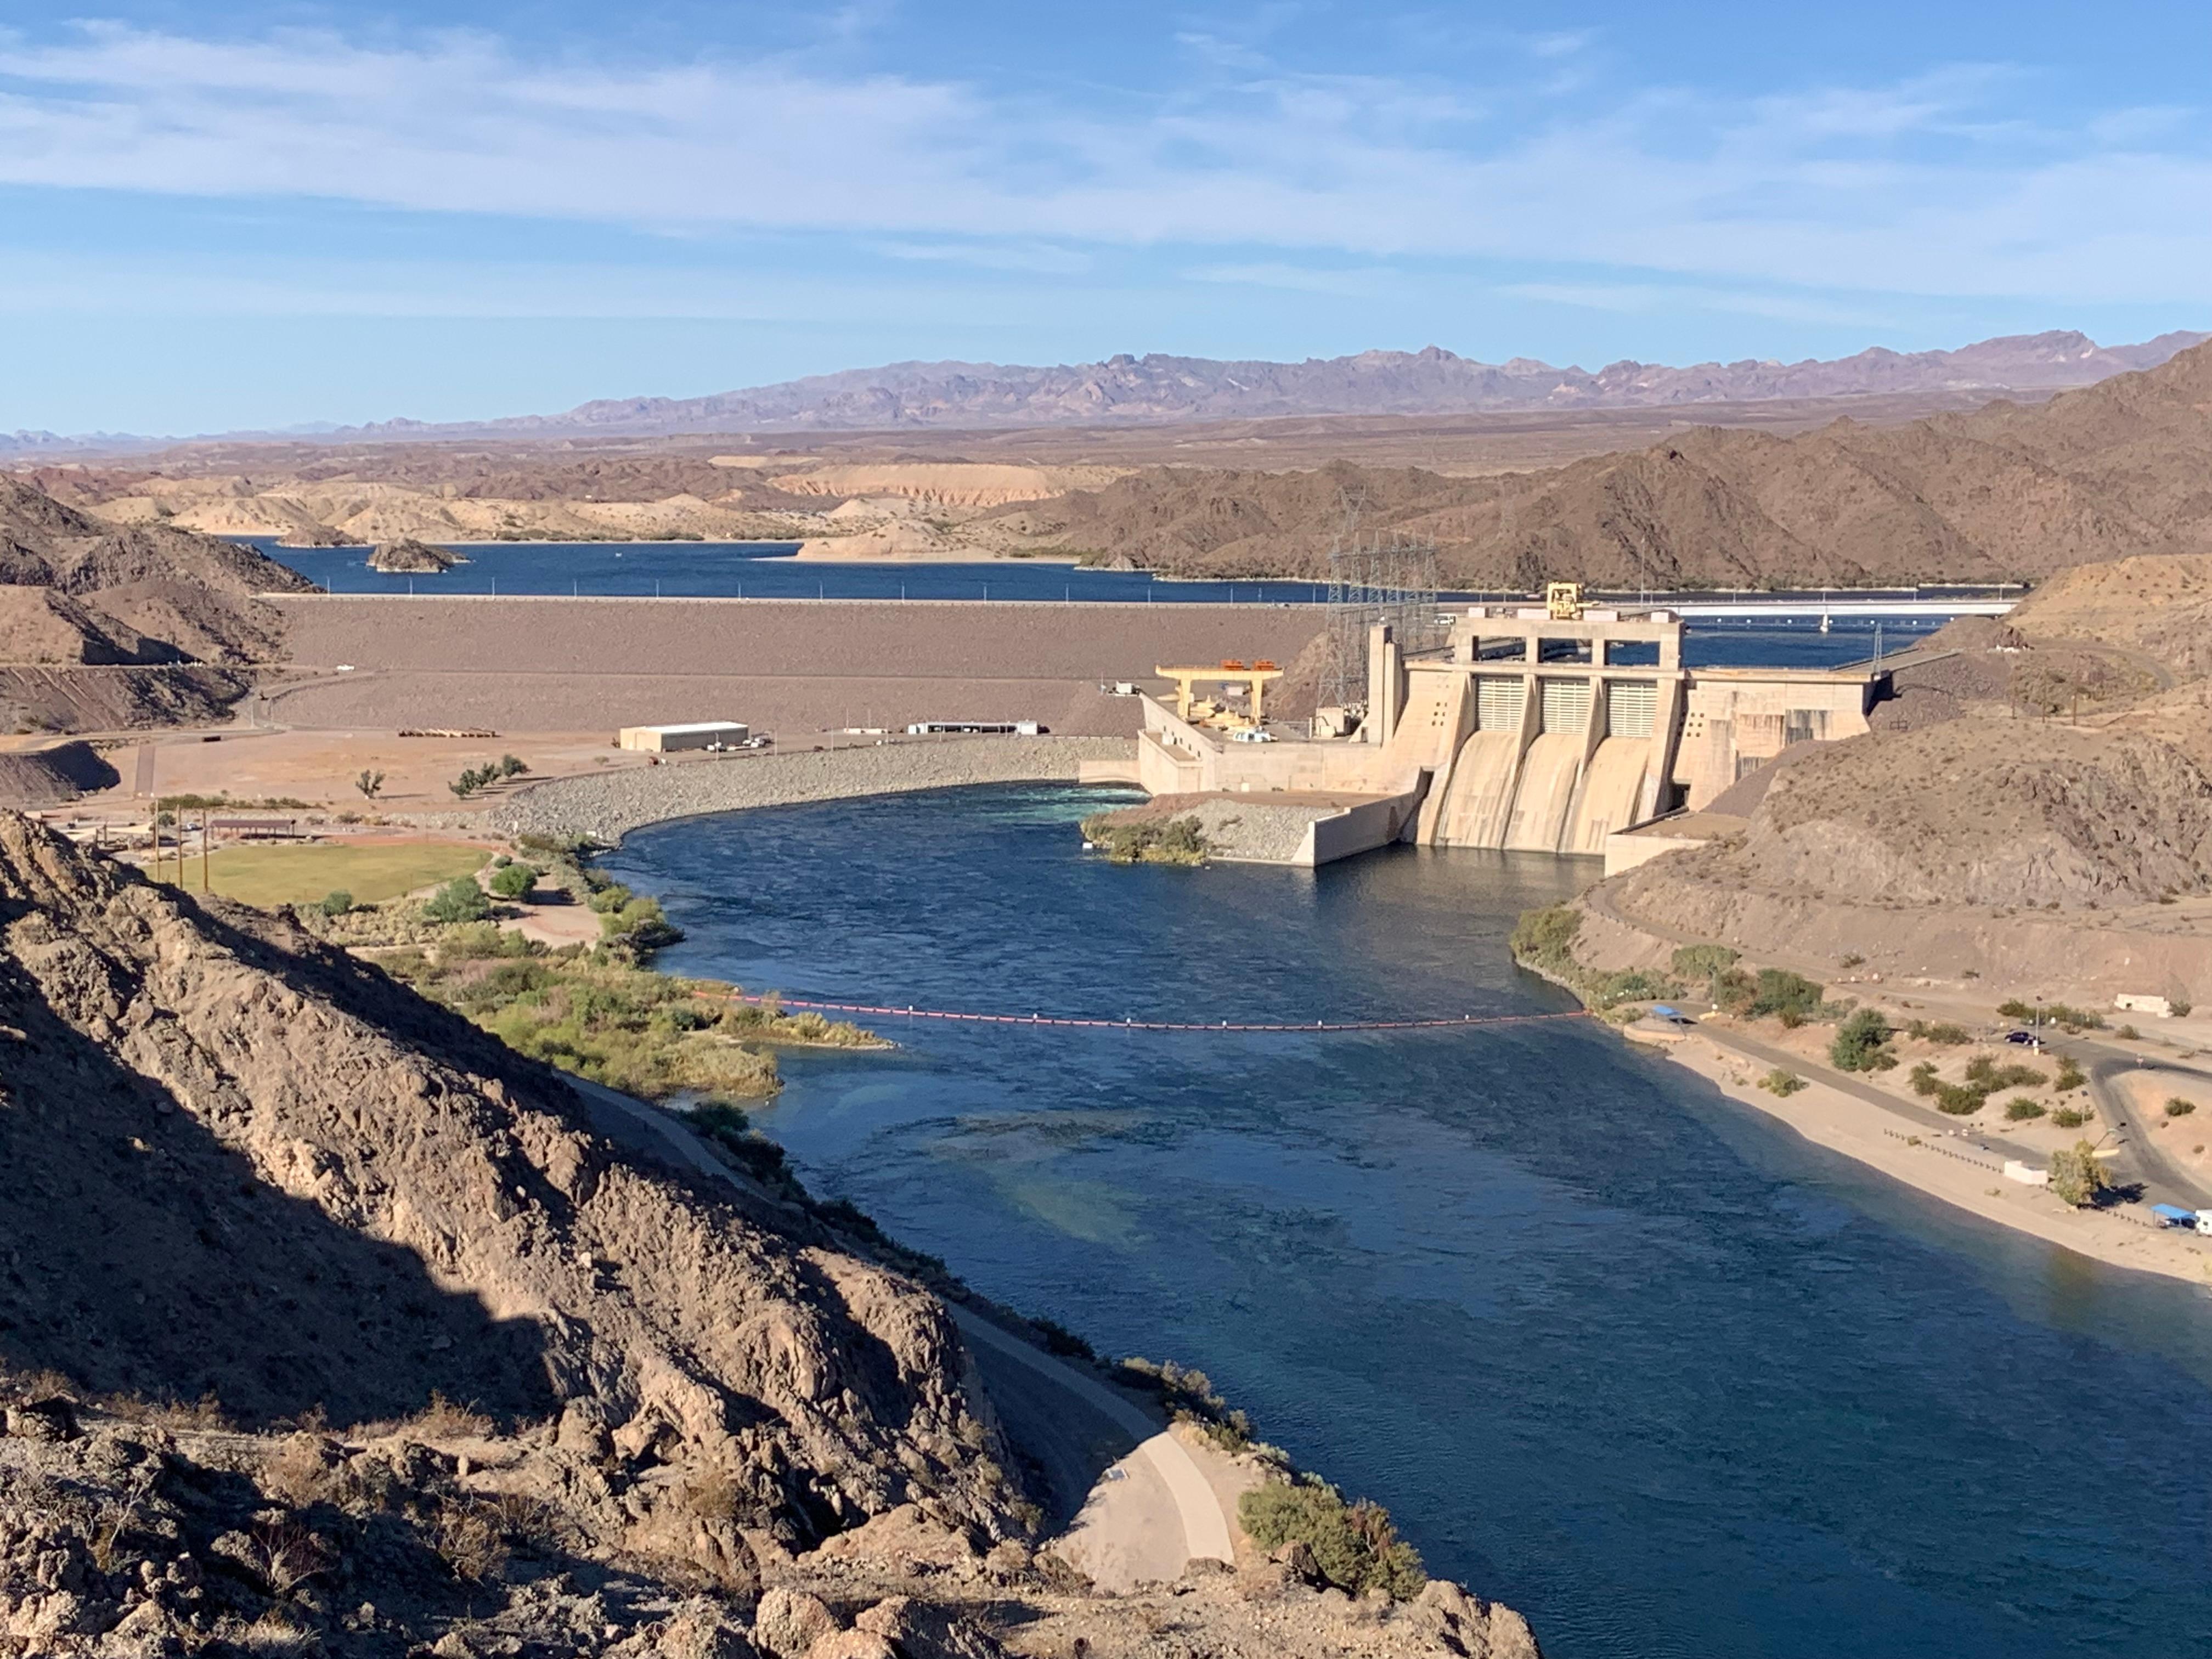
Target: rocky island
410, 557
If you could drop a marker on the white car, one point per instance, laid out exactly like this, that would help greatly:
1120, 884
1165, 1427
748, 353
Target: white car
1250, 734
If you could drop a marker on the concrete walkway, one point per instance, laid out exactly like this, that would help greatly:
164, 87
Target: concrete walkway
1151, 1511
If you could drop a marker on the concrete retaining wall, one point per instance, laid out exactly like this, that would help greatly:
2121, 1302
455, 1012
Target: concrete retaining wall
607, 805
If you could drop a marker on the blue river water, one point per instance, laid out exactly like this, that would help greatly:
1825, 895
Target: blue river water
763, 570
1614, 1349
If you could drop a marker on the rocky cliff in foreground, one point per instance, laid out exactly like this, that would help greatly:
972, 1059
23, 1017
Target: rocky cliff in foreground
329, 1324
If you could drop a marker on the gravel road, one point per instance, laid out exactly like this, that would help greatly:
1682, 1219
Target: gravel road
606, 807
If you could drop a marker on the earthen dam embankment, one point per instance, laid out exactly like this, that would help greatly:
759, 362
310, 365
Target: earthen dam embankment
784, 665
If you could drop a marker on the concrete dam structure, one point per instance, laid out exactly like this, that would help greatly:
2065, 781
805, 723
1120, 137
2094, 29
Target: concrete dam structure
1528, 730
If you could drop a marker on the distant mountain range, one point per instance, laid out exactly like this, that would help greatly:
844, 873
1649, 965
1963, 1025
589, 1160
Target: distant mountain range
1155, 389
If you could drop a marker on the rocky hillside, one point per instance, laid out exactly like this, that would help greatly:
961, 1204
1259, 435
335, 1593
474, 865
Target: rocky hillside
328, 1324
2036, 805
2005, 493
169, 617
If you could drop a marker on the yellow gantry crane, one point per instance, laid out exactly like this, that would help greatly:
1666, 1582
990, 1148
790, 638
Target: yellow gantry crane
1228, 672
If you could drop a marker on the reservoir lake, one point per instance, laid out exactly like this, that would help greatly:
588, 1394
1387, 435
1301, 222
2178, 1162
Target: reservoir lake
1614, 1350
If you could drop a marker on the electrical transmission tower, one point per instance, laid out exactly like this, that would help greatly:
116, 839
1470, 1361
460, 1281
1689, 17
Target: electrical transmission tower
1375, 580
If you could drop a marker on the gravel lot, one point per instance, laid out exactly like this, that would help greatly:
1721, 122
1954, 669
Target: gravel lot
607, 805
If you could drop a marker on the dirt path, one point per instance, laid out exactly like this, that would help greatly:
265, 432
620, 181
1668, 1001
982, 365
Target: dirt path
1150, 1510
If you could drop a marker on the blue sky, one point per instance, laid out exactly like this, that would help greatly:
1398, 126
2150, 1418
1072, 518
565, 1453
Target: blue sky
273, 214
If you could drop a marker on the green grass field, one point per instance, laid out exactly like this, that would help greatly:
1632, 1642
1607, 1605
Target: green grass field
269, 876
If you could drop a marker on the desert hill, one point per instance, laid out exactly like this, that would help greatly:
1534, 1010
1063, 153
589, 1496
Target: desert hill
2035, 807
328, 1324
166, 615
2005, 493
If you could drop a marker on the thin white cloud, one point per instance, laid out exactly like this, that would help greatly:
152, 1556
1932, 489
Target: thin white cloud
1303, 279
1923, 187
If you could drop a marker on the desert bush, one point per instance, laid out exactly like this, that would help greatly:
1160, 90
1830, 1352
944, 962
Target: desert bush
1943, 1033
1698, 964
1190, 1397
1629, 985
1355, 1546
1179, 841
2181, 1005
2069, 1117
2020, 1109
1958, 1100
513, 881
336, 903
458, 900
2128, 1034
1923, 1079
2076, 1176
1545, 939
2070, 1074
1862, 1043
1790, 998
1985, 1074
2176, 1107
470, 1538
1782, 1082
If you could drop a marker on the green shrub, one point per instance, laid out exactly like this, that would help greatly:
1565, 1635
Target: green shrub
2076, 1175
2181, 1006
513, 881
641, 924
1545, 939
1629, 985
1699, 962
1923, 1078
336, 903
2069, 1117
1146, 841
1985, 1074
1790, 998
1944, 1034
1782, 1082
2070, 1075
2176, 1107
2021, 1109
1862, 1045
458, 900
1355, 1545
611, 897
1957, 1100
2128, 1034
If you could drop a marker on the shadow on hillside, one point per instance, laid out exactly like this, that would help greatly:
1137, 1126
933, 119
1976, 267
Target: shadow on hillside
139, 1256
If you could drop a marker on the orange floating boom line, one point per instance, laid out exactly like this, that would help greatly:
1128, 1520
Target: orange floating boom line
1462, 1021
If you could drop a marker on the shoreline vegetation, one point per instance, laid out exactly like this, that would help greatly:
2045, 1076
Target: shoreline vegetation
1130, 840
2072, 1211
603, 1012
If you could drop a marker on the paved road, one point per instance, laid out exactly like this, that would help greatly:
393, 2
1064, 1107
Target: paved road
1134, 1528
2164, 1181
2141, 1160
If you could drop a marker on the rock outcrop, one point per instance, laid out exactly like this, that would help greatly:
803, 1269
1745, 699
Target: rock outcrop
410, 557
126, 626
328, 1324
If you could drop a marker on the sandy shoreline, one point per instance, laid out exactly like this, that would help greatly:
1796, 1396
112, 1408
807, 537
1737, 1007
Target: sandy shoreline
1962, 1176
